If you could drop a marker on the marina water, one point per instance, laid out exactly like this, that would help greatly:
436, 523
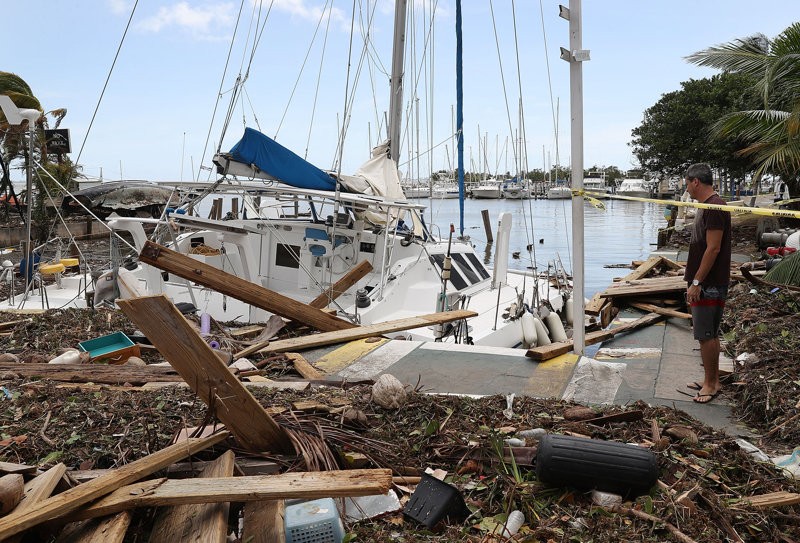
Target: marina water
623, 232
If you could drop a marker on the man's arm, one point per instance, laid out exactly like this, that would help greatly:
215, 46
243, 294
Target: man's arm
713, 247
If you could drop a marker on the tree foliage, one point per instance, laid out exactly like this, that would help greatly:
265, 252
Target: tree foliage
678, 130
770, 130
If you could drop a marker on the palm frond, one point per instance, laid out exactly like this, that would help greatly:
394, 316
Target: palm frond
747, 56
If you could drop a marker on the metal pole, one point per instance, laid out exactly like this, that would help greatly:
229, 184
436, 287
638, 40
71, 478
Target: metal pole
29, 204
576, 148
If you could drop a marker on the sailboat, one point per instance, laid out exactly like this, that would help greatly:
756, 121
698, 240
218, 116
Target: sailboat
303, 228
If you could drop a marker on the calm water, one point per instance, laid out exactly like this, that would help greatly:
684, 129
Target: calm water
625, 231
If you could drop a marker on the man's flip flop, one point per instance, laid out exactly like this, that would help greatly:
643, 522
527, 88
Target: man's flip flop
710, 397
694, 386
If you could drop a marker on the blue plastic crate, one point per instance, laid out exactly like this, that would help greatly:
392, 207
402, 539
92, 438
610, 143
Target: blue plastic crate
315, 521
116, 347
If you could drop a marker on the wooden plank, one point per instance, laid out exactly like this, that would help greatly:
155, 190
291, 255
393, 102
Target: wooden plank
645, 287
303, 367
40, 487
11, 324
94, 373
596, 304
625, 416
106, 530
183, 470
773, 499
200, 522
263, 522
662, 310
546, 352
342, 285
342, 336
11, 467
644, 268
305, 485
205, 373
241, 289
72, 499
607, 314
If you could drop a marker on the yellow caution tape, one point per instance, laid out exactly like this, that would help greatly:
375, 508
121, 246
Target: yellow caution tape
762, 211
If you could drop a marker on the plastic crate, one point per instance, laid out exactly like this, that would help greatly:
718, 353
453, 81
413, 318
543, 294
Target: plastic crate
315, 521
114, 348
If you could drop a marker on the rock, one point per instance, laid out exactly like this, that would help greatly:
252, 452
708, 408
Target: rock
351, 415
9, 358
389, 392
134, 361
682, 433
243, 364
12, 488
579, 413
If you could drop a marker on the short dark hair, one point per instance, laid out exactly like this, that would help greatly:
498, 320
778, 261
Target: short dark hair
701, 172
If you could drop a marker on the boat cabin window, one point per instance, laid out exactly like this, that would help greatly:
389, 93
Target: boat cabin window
287, 256
478, 266
469, 273
455, 277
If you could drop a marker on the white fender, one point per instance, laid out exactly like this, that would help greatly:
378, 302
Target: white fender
569, 311
528, 329
542, 338
555, 326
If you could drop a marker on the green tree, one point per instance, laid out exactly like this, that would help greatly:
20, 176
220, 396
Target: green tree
769, 132
677, 130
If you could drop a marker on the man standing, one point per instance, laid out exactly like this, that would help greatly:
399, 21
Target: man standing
707, 275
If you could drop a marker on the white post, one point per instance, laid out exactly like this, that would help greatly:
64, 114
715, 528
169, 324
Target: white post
575, 56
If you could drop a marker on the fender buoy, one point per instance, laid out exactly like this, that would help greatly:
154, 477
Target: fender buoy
542, 337
528, 329
569, 311
555, 326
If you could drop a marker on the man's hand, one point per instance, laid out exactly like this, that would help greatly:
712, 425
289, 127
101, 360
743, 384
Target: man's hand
693, 293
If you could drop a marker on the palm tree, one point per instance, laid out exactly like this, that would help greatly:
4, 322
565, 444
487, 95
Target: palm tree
770, 136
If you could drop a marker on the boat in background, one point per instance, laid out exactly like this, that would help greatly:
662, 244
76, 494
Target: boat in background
595, 182
514, 189
634, 187
488, 189
559, 192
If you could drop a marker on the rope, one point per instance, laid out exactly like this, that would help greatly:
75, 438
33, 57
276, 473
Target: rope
105, 85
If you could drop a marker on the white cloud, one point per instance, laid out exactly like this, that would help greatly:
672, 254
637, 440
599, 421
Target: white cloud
300, 8
119, 7
199, 20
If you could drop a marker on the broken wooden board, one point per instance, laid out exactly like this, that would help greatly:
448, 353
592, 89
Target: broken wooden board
595, 305
94, 373
241, 289
105, 530
306, 485
198, 522
72, 499
206, 374
342, 336
546, 352
661, 310
646, 287
303, 367
773, 499
342, 285
263, 522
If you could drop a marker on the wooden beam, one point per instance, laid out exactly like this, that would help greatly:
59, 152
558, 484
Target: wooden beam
661, 310
72, 499
241, 289
646, 287
596, 304
206, 374
305, 485
303, 367
546, 352
263, 522
197, 522
106, 530
342, 285
644, 268
773, 499
342, 336
94, 373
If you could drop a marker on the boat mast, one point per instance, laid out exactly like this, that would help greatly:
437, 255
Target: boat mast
460, 119
396, 81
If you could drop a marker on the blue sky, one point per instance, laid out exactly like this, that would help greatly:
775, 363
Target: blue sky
157, 111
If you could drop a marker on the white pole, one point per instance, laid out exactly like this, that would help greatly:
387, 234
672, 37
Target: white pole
576, 57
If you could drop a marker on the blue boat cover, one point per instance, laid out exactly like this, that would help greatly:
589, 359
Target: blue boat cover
279, 162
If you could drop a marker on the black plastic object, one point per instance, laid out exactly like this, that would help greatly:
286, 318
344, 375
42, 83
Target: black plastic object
594, 464
434, 500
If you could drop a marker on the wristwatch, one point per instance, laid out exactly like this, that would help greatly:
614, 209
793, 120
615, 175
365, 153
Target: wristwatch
695, 283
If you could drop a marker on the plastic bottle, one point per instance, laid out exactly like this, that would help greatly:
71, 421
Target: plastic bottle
205, 324
515, 520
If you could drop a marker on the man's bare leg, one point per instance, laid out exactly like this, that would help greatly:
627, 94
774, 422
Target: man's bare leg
709, 352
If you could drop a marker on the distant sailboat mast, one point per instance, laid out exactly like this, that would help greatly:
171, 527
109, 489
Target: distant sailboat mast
460, 119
